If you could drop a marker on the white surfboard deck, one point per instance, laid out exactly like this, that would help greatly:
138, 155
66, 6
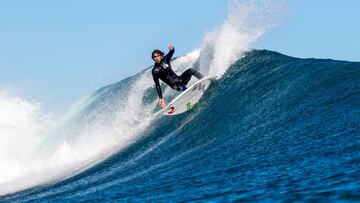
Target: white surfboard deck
187, 99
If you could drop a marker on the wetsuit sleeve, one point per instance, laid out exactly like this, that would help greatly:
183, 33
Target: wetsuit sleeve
169, 55
157, 84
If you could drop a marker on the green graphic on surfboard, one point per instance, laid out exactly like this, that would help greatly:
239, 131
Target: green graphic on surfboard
188, 106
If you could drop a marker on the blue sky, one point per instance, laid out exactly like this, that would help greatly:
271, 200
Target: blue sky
318, 28
56, 52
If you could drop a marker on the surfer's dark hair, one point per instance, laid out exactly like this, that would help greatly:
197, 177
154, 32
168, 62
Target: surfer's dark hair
157, 51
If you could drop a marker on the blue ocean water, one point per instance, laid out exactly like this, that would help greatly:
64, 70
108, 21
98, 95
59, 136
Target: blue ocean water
272, 128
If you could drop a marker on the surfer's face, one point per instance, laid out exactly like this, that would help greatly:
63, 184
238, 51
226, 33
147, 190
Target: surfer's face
157, 58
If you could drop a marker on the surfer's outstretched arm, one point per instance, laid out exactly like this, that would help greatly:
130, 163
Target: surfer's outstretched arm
169, 55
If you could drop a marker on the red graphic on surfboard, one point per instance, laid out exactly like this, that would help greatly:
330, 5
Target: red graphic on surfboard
171, 110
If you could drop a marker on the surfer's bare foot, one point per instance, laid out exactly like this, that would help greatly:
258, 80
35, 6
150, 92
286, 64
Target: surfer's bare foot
162, 103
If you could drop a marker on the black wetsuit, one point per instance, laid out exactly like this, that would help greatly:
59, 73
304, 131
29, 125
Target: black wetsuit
164, 72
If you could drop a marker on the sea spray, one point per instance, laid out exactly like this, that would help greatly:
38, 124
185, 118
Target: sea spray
22, 127
246, 22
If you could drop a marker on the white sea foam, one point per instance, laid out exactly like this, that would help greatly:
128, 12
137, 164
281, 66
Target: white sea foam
22, 127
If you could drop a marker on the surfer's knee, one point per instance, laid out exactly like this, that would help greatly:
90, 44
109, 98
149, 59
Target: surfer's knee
196, 73
192, 71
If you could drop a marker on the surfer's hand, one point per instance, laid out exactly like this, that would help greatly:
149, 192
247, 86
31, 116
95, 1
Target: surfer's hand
171, 47
162, 103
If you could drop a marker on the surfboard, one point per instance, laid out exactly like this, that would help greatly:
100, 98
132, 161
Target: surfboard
187, 99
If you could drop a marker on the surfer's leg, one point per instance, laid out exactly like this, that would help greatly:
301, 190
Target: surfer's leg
186, 76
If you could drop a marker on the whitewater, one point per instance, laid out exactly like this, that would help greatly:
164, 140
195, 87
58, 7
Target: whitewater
272, 127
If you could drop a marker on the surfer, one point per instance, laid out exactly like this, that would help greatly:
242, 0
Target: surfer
162, 70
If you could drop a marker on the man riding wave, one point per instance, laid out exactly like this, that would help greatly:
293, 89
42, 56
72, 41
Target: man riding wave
162, 70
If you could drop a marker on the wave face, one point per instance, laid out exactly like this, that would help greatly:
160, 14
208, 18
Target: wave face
273, 128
